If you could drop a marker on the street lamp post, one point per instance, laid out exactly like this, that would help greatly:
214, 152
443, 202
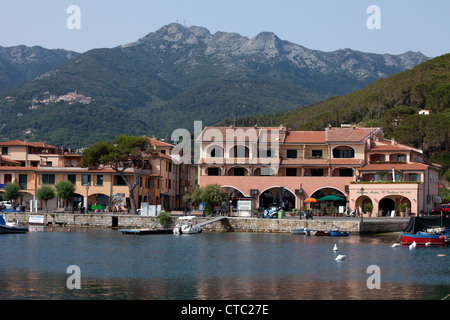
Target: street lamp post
87, 199
362, 203
185, 203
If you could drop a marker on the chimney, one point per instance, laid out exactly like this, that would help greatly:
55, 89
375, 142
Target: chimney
392, 141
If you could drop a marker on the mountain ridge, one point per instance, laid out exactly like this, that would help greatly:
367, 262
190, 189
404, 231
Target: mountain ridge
22, 63
176, 75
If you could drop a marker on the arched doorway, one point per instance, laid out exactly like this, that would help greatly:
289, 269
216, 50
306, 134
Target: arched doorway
386, 206
77, 201
328, 206
233, 194
389, 206
277, 196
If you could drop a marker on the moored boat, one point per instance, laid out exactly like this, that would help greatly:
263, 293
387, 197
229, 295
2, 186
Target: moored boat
299, 231
320, 233
146, 231
187, 225
11, 228
337, 233
429, 230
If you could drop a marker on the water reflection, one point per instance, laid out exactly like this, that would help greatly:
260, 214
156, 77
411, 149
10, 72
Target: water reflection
217, 266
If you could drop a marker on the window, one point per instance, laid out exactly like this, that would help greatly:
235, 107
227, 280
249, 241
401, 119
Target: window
86, 180
291, 153
120, 181
151, 183
398, 157
4, 151
216, 152
239, 171
291, 172
266, 153
72, 178
316, 153
23, 181
48, 179
265, 171
347, 172
414, 177
317, 172
213, 171
380, 176
240, 152
100, 180
343, 152
7, 178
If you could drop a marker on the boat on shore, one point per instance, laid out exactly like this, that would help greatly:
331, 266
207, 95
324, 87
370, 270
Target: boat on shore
428, 230
8, 228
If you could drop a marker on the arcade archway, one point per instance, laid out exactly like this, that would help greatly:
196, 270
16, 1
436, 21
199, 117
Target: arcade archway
277, 196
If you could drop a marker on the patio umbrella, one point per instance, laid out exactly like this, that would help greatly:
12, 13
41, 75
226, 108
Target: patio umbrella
331, 197
310, 200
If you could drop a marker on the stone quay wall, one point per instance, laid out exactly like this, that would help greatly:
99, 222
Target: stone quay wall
237, 224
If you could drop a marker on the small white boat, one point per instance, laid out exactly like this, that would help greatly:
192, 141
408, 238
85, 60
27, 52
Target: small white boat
299, 231
187, 225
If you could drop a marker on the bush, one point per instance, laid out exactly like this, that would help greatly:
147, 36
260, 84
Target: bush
164, 218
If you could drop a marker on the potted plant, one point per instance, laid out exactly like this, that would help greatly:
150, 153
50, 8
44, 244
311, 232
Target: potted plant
368, 207
402, 208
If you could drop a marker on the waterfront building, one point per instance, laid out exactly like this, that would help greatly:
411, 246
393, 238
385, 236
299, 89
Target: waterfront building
33, 164
282, 166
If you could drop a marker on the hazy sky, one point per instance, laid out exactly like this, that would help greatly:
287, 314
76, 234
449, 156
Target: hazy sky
326, 25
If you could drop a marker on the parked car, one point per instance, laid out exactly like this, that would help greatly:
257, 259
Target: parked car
444, 208
6, 205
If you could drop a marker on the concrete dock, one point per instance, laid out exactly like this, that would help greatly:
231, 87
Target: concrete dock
371, 225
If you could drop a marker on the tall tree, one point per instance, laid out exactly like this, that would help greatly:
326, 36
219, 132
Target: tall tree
122, 154
12, 191
65, 190
45, 193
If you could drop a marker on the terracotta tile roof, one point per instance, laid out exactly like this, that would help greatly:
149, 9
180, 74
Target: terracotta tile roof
388, 146
22, 143
305, 137
159, 143
348, 134
3, 159
242, 134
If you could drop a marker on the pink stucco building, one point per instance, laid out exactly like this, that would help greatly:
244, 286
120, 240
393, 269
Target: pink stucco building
357, 164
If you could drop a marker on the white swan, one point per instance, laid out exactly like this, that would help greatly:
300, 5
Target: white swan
340, 257
427, 244
395, 245
412, 246
335, 248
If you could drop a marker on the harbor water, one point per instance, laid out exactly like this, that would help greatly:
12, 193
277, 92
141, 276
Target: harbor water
218, 265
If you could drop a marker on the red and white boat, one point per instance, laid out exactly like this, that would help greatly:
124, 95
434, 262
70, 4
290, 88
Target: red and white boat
429, 230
